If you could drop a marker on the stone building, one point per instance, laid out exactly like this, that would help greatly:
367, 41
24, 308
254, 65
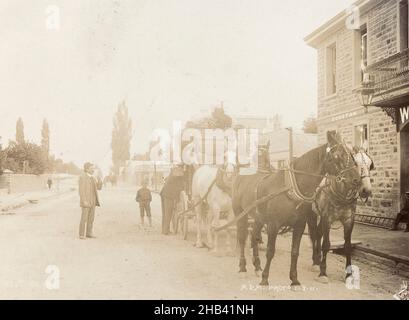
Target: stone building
363, 52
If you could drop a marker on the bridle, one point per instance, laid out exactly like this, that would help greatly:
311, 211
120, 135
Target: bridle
365, 173
330, 187
340, 199
338, 178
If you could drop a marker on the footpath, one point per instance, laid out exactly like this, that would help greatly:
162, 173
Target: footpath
9, 202
385, 248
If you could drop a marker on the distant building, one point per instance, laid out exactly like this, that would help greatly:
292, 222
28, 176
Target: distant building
280, 145
257, 122
154, 173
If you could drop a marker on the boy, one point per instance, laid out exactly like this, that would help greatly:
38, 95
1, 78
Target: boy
144, 198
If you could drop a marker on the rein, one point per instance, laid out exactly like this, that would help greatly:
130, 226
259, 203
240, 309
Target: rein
298, 194
192, 207
254, 205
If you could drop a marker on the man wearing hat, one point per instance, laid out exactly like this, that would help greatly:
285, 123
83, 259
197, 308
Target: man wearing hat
88, 191
403, 215
170, 195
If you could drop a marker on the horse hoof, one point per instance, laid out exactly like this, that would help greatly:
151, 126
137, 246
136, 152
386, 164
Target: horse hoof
264, 283
322, 279
200, 245
257, 273
315, 268
296, 287
215, 253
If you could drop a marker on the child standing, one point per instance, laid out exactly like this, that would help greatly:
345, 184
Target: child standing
144, 198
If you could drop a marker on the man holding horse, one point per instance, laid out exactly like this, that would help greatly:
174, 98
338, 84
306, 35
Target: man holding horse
170, 195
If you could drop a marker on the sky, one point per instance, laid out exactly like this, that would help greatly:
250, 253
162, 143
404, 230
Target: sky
167, 59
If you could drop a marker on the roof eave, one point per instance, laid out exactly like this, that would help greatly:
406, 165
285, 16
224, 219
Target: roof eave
337, 22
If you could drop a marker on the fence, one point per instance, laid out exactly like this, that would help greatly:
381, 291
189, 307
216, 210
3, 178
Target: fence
15, 183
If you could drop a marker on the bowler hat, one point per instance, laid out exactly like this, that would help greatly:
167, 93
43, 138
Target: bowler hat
87, 165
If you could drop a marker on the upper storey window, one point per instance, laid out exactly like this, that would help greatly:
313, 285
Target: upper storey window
331, 69
360, 54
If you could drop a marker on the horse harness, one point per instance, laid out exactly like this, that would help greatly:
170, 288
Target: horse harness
292, 190
216, 182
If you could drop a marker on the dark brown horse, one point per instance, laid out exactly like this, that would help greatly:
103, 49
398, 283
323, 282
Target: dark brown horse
283, 210
337, 201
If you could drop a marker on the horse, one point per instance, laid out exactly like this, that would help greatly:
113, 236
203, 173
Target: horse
214, 200
288, 206
337, 201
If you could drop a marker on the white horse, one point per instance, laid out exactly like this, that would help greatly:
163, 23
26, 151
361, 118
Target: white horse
214, 204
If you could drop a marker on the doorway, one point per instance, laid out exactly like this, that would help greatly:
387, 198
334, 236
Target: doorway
404, 154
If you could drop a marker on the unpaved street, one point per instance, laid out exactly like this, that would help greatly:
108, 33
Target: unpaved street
128, 262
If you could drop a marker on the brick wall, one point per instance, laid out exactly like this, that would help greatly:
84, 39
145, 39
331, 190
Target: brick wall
382, 25
383, 30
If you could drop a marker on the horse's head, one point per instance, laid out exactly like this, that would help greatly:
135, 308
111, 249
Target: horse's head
365, 166
340, 163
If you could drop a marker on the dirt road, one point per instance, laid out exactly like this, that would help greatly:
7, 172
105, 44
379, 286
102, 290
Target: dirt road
42, 257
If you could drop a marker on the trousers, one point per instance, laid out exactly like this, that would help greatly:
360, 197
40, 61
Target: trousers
87, 222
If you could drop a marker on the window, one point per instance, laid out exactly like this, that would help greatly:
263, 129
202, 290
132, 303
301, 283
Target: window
331, 69
403, 24
360, 54
364, 51
361, 136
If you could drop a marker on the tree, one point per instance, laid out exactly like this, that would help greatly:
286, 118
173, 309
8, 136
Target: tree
218, 120
121, 137
20, 131
221, 119
25, 158
45, 138
310, 125
68, 168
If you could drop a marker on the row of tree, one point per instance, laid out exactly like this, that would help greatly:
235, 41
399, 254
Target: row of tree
22, 156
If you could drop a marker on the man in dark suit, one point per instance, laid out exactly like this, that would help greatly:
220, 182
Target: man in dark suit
170, 195
88, 192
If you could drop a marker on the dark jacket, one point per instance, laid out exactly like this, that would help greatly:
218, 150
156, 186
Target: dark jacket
143, 195
174, 185
88, 191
